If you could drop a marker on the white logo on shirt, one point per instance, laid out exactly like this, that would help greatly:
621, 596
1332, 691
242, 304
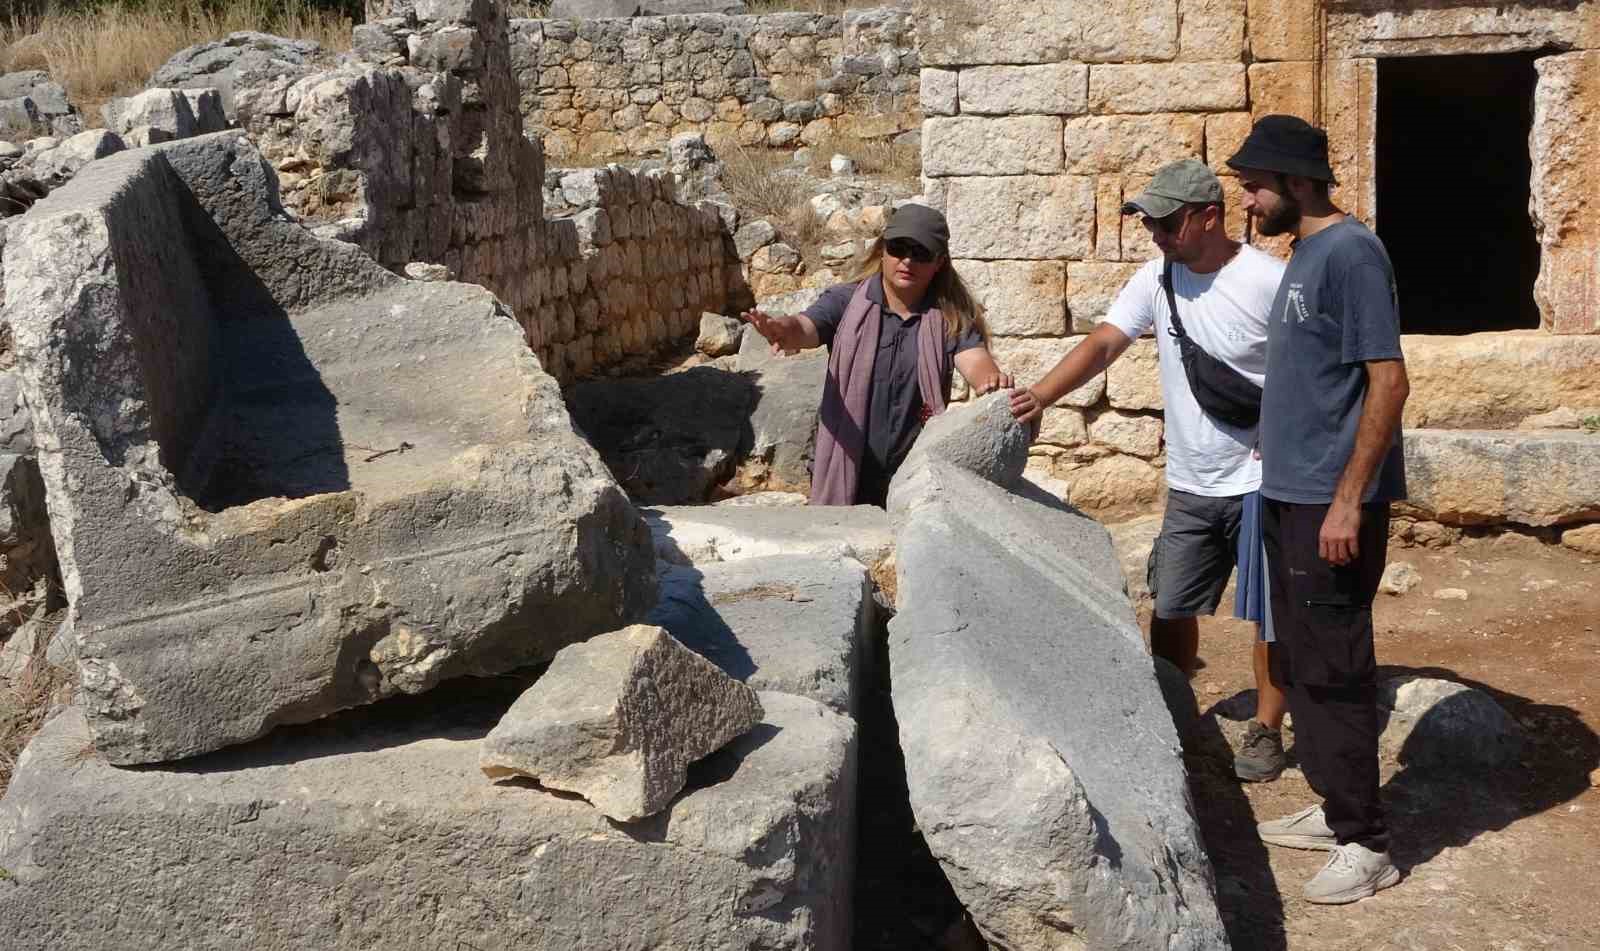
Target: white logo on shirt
1295, 299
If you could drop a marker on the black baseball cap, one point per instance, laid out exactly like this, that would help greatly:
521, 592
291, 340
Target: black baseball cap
921, 224
1286, 144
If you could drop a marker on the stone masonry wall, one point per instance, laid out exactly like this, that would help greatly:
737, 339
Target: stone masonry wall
1033, 139
627, 86
415, 150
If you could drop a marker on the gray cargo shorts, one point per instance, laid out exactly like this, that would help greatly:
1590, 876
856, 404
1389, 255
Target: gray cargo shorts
1195, 553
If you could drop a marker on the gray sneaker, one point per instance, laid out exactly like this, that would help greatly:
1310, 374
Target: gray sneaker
1260, 758
1353, 872
1306, 829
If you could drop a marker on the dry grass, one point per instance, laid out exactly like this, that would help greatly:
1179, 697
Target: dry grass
880, 158
763, 183
23, 707
111, 51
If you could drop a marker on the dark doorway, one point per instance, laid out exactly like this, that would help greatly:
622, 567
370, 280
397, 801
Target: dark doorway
1453, 186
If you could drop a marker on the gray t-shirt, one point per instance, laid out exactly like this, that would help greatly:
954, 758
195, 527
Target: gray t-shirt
1334, 310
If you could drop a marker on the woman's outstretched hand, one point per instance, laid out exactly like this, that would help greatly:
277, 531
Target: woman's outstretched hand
780, 332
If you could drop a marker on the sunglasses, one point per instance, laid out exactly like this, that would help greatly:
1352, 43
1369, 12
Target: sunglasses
904, 248
1171, 224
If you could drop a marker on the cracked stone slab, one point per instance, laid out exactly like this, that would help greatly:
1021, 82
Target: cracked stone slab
618, 719
348, 837
282, 480
796, 624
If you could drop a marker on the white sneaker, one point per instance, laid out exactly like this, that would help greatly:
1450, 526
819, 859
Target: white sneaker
1353, 872
1306, 829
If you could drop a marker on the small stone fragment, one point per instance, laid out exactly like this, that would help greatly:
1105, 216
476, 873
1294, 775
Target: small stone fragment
841, 166
1399, 577
719, 335
1450, 594
618, 719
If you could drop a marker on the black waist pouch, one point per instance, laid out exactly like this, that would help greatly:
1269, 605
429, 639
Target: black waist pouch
1223, 392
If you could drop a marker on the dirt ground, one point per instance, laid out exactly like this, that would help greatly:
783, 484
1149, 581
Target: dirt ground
1505, 862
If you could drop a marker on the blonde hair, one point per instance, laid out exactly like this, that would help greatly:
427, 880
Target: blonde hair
950, 294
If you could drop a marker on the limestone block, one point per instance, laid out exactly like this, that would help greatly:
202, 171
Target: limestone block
973, 145
292, 560
1097, 144
752, 236
1283, 29
938, 92
1497, 380
796, 624
1225, 132
618, 719
1050, 89
979, 437
1212, 30
206, 104
1020, 217
1453, 29
387, 834
166, 112
1092, 287
719, 335
1112, 484
1134, 381
1012, 32
1019, 298
1126, 432
1108, 218
1565, 146
1037, 744
1063, 426
1167, 87
1465, 477
702, 534
1029, 359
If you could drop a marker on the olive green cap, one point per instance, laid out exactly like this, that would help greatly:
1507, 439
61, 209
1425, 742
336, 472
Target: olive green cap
1189, 181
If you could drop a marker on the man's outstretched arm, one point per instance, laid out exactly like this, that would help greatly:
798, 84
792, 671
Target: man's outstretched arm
1092, 355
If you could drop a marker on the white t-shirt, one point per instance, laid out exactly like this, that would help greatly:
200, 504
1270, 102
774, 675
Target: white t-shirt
1225, 312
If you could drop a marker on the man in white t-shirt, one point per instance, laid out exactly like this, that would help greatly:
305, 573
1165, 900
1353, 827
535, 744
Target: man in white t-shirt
1224, 291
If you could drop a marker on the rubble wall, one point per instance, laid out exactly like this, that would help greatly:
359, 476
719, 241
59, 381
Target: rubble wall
415, 150
626, 86
1033, 140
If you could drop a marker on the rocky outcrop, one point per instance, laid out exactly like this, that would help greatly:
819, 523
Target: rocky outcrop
618, 719
282, 480
32, 104
384, 832
1536, 478
1042, 762
797, 624
241, 62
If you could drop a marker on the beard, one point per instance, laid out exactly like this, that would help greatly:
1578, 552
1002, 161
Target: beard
1283, 220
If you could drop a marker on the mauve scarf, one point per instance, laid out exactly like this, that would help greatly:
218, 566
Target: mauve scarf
842, 419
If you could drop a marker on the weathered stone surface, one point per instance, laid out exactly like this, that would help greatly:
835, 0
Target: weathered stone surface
667, 439
1464, 477
206, 104
237, 63
1225, 132
1133, 540
341, 486
1562, 417
39, 106
388, 834
976, 145
1565, 147
753, 236
980, 437
1112, 485
1167, 87
1062, 426
1097, 144
1134, 381
1092, 287
618, 719
1212, 30
1030, 359
1399, 577
1020, 217
1385, 29
1282, 29
938, 92
59, 164
1019, 298
1043, 766
592, 9
1584, 538
1052, 31
701, 535
1497, 380
1125, 432
783, 413
1439, 724
166, 113
667, 8
719, 335
1054, 89
797, 624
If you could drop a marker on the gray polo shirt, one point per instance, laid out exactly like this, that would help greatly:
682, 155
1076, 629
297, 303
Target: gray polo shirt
1334, 311
894, 408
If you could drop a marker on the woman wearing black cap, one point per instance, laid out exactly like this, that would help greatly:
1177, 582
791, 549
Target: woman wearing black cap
894, 334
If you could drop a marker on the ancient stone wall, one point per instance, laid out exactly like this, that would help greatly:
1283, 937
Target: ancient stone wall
615, 86
415, 150
1033, 140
